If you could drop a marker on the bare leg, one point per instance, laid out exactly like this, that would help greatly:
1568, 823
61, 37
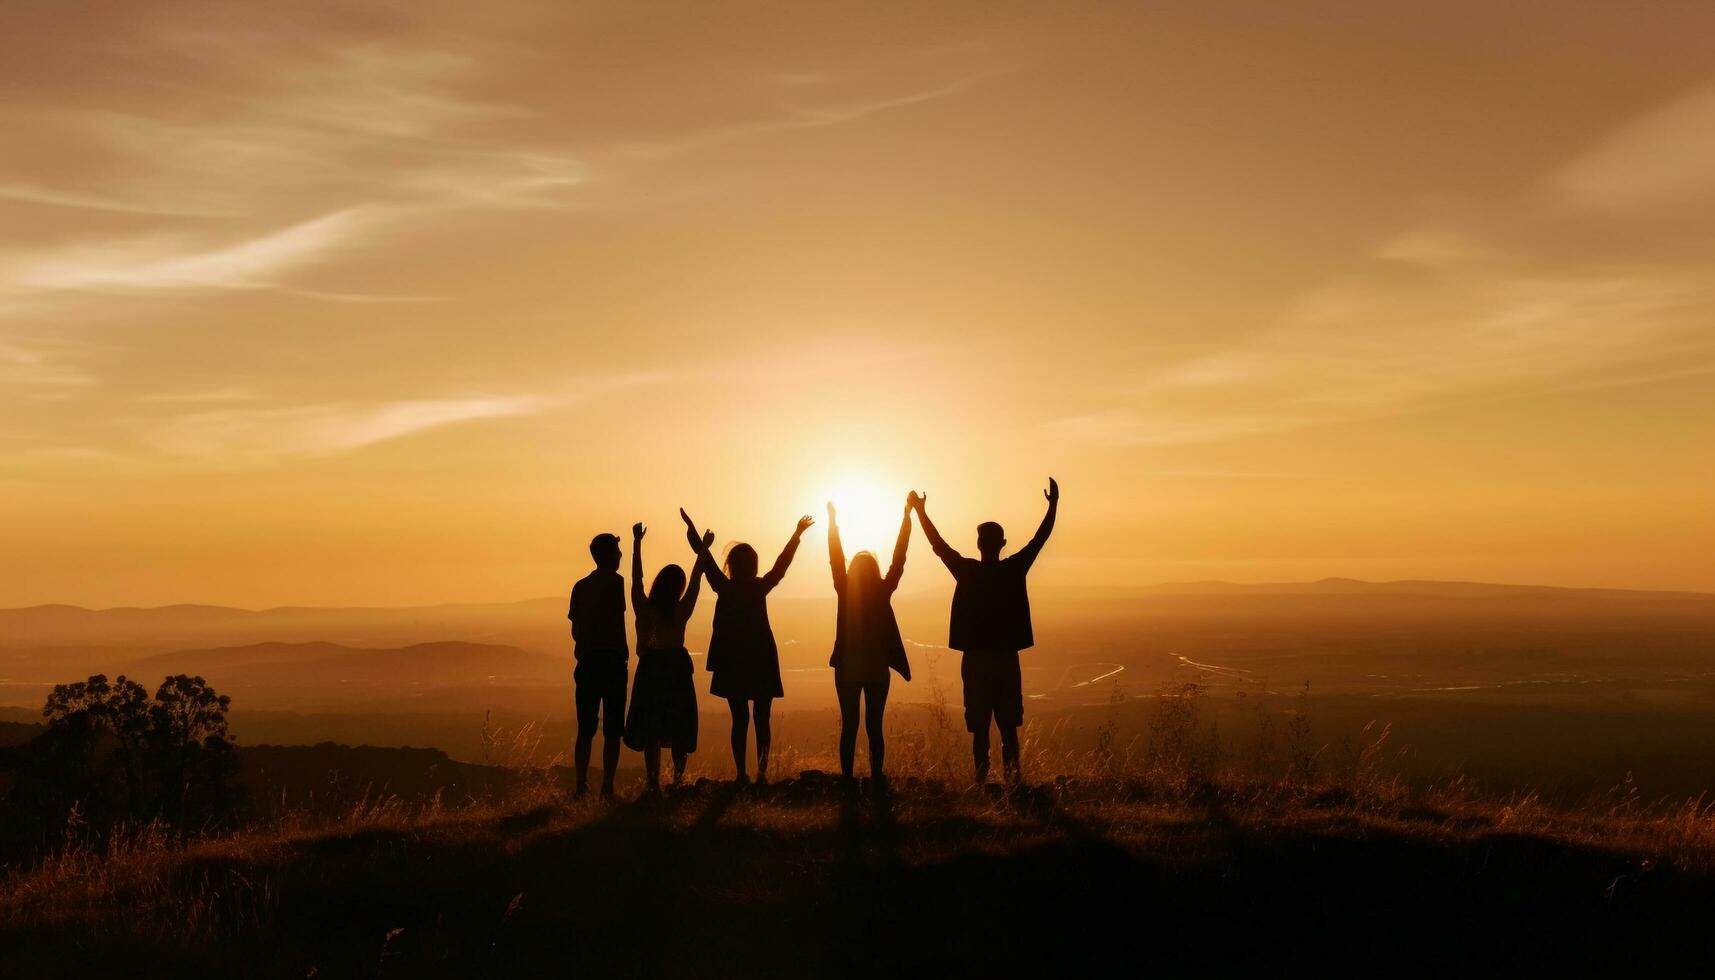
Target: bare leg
848, 695
679, 760
874, 708
652, 767
740, 733
1009, 755
609, 762
581, 757
764, 737
980, 753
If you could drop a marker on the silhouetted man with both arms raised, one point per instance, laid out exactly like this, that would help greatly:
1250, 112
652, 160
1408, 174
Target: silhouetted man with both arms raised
597, 613
990, 624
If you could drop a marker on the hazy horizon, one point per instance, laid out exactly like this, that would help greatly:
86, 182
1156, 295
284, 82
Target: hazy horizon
932, 590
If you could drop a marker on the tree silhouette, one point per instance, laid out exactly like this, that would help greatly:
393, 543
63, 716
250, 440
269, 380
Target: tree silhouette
192, 755
112, 754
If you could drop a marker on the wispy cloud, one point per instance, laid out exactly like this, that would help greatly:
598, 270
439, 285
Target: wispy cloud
261, 436
1664, 158
257, 435
29, 194
828, 112
203, 397
253, 185
44, 368
1438, 316
156, 263
1457, 322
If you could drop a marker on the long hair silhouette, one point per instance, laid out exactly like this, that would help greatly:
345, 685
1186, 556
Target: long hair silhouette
864, 574
665, 591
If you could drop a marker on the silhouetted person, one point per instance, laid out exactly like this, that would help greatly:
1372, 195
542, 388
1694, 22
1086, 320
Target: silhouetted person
663, 700
990, 624
598, 633
742, 655
866, 641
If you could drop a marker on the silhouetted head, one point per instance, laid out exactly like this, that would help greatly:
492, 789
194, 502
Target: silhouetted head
604, 548
668, 586
863, 577
741, 562
990, 539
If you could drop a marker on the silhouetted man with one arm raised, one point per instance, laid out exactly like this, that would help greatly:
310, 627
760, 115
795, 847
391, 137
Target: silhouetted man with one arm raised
598, 633
990, 624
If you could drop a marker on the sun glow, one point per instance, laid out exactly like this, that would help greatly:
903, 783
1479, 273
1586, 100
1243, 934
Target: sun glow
869, 514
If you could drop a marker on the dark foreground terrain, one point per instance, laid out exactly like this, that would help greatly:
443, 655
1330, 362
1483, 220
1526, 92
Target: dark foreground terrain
801, 878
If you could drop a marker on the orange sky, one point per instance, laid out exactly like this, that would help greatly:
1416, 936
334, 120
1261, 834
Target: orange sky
392, 303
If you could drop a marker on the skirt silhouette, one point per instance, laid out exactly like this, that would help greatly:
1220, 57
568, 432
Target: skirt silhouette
747, 674
663, 702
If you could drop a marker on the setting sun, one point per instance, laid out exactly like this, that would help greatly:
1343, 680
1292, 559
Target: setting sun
869, 512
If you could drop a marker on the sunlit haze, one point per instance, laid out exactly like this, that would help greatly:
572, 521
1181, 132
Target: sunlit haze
399, 303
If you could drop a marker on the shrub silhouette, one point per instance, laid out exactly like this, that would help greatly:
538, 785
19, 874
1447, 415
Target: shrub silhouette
113, 755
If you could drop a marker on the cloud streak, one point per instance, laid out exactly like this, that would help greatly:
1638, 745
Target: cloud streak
1448, 328
267, 435
250, 263
1664, 158
253, 185
1438, 317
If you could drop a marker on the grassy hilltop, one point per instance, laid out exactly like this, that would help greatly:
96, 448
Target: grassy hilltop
804, 877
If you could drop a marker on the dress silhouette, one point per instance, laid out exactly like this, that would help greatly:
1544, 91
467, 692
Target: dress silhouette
990, 624
742, 656
663, 700
867, 645
597, 612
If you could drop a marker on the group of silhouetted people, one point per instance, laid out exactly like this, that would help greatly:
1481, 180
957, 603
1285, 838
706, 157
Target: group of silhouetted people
990, 624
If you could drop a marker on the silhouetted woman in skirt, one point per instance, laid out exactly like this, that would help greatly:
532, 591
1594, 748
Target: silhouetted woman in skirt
663, 698
742, 654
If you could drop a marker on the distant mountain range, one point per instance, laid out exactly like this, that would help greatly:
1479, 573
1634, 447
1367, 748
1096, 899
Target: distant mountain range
534, 624
281, 665
66, 623
1419, 587
60, 620
539, 624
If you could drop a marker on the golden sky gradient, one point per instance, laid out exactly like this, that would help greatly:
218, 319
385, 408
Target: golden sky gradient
388, 303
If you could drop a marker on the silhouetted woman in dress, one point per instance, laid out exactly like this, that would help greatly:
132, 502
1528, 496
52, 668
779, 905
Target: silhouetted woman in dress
866, 641
742, 655
663, 698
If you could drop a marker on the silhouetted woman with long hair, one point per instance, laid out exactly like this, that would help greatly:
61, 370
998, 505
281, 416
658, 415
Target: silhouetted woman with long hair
866, 641
663, 698
742, 654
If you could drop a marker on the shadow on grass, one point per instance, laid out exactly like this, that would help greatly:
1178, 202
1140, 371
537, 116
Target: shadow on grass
871, 884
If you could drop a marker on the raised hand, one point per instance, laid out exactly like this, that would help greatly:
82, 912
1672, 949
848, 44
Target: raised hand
638, 531
708, 540
1053, 491
915, 500
804, 524
831, 517
691, 535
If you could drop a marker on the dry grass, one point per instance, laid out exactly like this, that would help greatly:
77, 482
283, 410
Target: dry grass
1171, 796
146, 881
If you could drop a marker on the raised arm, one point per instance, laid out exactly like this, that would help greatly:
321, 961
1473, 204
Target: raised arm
896, 571
784, 562
938, 544
836, 553
1028, 553
688, 601
637, 593
705, 559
